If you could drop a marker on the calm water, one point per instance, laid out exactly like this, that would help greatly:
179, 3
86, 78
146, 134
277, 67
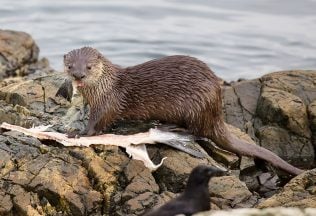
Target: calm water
236, 38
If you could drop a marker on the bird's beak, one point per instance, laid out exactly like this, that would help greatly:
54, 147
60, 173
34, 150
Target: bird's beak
217, 172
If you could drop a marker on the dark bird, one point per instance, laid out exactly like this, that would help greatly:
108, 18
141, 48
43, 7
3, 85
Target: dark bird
195, 198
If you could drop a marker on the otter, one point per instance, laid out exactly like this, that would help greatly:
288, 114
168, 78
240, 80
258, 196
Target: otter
178, 89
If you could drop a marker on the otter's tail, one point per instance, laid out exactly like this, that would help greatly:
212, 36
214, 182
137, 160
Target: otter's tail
241, 147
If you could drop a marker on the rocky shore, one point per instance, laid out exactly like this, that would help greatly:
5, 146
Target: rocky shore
276, 111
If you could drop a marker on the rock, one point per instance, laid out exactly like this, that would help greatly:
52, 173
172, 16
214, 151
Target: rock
165, 197
37, 94
284, 108
140, 180
248, 93
138, 205
18, 115
299, 192
262, 212
25, 202
263, 184
38, 69
10, 80
17, 51
229, 159
141, 191
240, 104
279, 100
295, 149
174, 172
269, 184
104, 169
66, 179
312, 115
6, 204
6, 164
231, 107
300, 83
54, 176
229, 192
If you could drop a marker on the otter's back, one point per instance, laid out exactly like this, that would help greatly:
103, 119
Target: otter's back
168, 88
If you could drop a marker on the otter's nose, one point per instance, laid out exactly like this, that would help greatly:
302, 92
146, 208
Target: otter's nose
79, 76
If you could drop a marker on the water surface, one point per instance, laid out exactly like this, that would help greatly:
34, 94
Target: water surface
236, 38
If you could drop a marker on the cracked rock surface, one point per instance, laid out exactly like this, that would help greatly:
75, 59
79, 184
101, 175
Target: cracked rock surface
276, 111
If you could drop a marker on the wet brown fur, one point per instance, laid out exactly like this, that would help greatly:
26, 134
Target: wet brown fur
175, 89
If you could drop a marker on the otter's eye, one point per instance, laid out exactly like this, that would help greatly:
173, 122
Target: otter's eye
69, 67
88, 67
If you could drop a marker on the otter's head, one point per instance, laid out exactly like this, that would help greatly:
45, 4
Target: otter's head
84, 66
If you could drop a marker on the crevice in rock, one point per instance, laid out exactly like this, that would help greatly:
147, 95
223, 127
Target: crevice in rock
94, 183
44, 99
14, 209
241, 107
36, 174
44, 95
3, 57
313, 132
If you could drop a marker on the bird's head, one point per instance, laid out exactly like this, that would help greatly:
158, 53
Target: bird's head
201, 175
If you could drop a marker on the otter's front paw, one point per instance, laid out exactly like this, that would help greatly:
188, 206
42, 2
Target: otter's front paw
73, 134
78, 134
90, 132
